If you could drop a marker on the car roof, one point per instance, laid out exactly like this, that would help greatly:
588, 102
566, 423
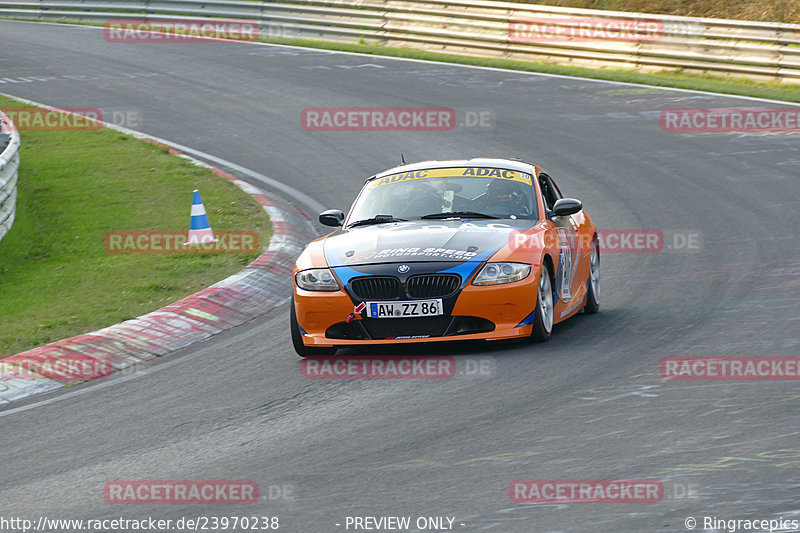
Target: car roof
477, 162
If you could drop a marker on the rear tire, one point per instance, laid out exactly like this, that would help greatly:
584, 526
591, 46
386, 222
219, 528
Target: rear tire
593, 290
297, 339
543, 315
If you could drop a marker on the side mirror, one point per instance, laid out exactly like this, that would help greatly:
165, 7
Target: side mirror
567, 206
331, 217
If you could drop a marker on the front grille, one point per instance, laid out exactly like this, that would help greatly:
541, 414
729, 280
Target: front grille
432, 285
383, 328
376, 288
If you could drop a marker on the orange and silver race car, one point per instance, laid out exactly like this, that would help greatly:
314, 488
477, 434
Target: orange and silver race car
446, 250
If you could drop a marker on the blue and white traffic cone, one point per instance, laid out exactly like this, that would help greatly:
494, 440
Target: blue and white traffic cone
199, 229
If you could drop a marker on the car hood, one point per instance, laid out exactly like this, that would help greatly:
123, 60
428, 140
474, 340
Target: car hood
455, 241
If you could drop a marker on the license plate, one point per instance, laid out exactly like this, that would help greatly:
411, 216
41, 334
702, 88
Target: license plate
404, 309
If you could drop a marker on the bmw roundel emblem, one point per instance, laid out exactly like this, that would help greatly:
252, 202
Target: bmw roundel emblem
403, 268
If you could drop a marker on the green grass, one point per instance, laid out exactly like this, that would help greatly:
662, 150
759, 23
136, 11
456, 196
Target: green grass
57, 280
760, 10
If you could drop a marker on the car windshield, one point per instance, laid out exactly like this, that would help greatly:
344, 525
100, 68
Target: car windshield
444, 193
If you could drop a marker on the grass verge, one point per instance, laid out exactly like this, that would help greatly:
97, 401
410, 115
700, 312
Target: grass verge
56, 278
759, 10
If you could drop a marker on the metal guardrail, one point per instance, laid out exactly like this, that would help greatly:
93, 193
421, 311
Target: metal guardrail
485, 28
9, 166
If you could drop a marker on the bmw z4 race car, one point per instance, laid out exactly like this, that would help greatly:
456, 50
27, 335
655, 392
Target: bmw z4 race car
446, 250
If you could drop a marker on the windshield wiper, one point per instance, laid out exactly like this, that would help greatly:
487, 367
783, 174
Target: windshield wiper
377, 219
459, 214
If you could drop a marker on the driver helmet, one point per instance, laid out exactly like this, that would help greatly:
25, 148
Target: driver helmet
504, 191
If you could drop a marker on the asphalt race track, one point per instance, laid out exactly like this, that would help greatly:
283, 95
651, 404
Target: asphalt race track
590, 404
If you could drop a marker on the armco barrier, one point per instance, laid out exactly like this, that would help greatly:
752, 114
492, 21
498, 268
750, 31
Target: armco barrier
9, 166
528, 32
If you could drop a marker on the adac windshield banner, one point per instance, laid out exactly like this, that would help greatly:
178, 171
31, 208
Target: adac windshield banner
477, 172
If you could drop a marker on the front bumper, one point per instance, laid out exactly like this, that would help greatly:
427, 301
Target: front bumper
488, 313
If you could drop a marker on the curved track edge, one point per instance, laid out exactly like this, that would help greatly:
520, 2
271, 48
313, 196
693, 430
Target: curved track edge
254, 291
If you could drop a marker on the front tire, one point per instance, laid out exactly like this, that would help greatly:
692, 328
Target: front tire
593, 291
297, 339
543, 315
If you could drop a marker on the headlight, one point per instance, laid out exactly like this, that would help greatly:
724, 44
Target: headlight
317, 279
498, 273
